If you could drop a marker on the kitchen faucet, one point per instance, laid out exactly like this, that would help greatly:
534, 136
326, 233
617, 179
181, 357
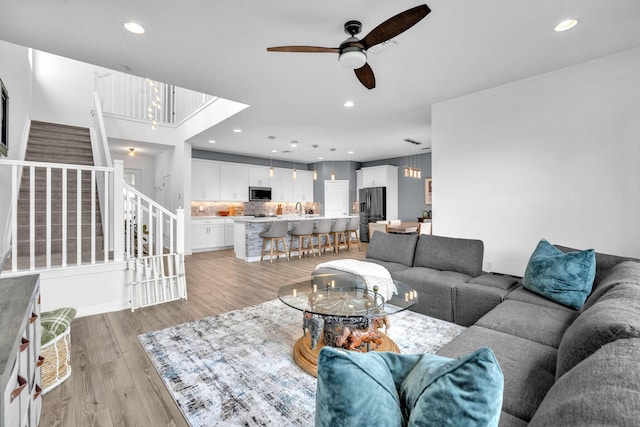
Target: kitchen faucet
299, 206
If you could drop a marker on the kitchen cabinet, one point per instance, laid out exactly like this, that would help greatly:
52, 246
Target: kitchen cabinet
228, 232
205, 180
259, 176
379, 176
234, 182
282, 185
207, 234
303, 186
20, 361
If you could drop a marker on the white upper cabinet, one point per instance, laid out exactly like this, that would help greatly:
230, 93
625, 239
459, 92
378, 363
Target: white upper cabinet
234, 182
281, 185
383, 176
378, 176
259, 176
205, 180
303, 186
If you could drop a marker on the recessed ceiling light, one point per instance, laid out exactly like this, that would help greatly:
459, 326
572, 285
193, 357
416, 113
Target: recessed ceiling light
349, 152
294, 143
349, 104
274, 151
211, 141
565, 25
237, 130
134, 28
320, 158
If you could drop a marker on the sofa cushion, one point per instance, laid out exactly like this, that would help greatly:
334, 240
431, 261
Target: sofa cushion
449, 254
601, 390
464, 391
604, 262
471, 302
521, 294
494, 280
616, 315
544, 325
626, 271
528, 367
390, 266
399, 248
435, 289
566, 278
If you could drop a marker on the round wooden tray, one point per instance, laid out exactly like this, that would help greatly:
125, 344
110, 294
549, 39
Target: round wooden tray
307, 359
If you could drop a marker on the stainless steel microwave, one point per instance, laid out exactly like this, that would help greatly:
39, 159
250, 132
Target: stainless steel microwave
259, 194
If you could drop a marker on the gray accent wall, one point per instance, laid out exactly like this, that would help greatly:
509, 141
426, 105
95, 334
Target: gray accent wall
410, 190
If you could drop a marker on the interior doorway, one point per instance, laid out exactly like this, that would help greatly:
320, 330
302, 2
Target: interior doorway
133, 177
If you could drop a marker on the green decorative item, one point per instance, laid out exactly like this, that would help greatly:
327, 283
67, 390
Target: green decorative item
425, 214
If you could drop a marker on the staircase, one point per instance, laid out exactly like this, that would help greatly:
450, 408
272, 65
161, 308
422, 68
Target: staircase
55, 143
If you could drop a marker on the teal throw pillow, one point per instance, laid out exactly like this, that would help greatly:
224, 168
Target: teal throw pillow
355, 390
389, 389
454, 392
566, 278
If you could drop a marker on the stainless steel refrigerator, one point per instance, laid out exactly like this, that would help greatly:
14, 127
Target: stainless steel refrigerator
373, 207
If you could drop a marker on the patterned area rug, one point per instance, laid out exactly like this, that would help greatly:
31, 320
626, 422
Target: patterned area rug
236, 369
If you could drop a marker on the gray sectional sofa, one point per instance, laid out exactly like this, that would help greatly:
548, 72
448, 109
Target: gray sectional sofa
561, 366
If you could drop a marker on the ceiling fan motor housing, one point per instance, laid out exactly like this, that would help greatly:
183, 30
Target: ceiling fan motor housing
353, 55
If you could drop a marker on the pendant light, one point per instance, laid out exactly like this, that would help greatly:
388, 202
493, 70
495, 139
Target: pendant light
295, 172
271, 171
315, 174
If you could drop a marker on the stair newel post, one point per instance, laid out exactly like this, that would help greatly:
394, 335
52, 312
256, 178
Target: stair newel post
118, 210
180, 230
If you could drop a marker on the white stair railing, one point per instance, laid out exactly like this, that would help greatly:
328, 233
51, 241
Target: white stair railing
154, 247
56, 252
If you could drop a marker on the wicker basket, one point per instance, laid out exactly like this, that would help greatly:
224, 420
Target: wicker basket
57, 361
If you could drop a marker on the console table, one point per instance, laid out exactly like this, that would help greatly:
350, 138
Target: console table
20, 359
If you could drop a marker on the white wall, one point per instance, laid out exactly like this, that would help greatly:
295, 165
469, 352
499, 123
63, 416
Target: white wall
556, 156
15, 72
62, 90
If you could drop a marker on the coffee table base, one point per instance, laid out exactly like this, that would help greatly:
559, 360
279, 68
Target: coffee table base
307, 359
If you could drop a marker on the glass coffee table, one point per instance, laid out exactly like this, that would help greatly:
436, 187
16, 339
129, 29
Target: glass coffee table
342, 310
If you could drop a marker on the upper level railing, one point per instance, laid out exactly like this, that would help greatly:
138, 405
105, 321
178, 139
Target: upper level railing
144, 99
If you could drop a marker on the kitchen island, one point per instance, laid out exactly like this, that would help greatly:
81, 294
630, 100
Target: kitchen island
247, 242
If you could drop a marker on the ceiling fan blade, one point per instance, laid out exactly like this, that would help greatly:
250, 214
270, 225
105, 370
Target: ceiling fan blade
366, 77
309, 49
395, 25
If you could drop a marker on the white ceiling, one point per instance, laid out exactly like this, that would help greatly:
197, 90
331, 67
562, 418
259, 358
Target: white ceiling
219, 47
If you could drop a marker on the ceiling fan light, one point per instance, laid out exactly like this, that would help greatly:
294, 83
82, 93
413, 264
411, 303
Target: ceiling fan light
353, 58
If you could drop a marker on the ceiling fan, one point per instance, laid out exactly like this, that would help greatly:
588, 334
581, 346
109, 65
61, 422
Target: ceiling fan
353, 51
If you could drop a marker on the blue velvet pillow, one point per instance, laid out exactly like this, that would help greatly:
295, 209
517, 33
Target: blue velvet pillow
355, 389
566, 278
454, 392
361, 389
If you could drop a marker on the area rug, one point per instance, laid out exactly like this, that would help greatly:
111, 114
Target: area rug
236, 369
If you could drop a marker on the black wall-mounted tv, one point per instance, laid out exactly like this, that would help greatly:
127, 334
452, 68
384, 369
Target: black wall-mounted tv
4, 120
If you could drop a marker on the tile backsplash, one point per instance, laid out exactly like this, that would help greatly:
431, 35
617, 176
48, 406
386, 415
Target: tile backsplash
204, 208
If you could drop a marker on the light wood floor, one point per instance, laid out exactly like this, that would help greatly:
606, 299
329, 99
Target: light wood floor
113, 382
